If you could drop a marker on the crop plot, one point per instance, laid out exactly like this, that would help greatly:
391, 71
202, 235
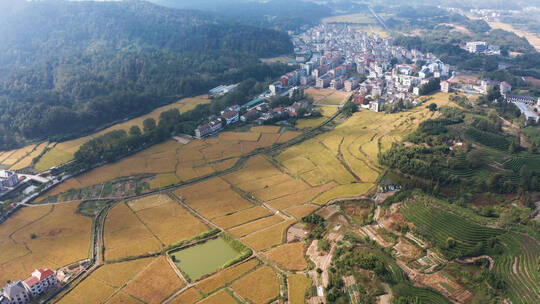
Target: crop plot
251, 227
241, 217
212, 198
226, 276
155, 283
289, 256
260, 286
298, 285
220, 297
43, 237
266, 238
101, 284
188, 296
156, 220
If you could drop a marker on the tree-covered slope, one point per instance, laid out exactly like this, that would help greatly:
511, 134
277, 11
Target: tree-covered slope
67, 67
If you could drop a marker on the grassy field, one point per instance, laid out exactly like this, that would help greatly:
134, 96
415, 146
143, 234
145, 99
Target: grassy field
26, 161
298, 285
327, 96
39, 237
260, 286
203, 259
155, 283
308, 123
63, 152
289, 256
280, 59
226, 276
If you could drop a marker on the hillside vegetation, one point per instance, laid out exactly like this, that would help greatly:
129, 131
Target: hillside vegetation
69, 67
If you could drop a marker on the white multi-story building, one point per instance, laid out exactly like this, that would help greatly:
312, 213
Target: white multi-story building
16, 293
40, 281
8, 178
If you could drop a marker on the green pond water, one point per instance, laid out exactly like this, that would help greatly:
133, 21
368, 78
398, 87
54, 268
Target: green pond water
199, 260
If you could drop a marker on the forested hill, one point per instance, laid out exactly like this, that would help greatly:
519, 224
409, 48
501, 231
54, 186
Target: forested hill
67, 67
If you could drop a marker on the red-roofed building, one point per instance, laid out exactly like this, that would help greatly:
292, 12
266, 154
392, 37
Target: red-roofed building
41, 280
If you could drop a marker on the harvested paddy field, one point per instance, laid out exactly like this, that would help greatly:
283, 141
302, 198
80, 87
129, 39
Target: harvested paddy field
155, 283
103, 282
203, 259
298, 285
241, 217
260, 286
26, 161
289, 256
40, 237
123, 298
226, 276
155, 220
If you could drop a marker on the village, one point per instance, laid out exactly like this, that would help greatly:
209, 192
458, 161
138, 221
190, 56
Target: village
380, 77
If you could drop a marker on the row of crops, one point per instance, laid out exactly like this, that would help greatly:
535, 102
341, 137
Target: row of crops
424, 296
518, 266
488, 139
437, 225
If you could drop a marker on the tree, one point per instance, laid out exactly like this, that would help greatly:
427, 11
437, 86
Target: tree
432, 107
302, 112
474, 159
512, 148
450, 243
149, 124
349, 108
525, 175
33, 235
135, 131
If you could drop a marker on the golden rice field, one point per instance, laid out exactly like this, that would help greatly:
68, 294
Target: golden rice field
145, 225
188, 296
226, 276
254, 226
289, 256
39, 237
26, 160
298, 285
268, 237
64, 152
347, 155
308, 123
155, 283
212, 198
301, 210
103, 282
220, 297
241, 217
327, 96
260, 286
123, 298
173, 162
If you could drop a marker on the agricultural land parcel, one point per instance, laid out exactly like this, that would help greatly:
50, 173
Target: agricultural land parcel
360, 22
172, 162
44, 236
156, 220
63, 152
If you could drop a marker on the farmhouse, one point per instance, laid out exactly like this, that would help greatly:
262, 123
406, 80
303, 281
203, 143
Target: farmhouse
250, 115
40, 281
209, 128
230, 115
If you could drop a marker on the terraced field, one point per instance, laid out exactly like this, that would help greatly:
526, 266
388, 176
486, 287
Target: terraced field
437, 225
518, 266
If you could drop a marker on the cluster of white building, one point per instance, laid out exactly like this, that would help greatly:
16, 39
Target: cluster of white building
528, 106
481, 47
21, 292
8, 179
